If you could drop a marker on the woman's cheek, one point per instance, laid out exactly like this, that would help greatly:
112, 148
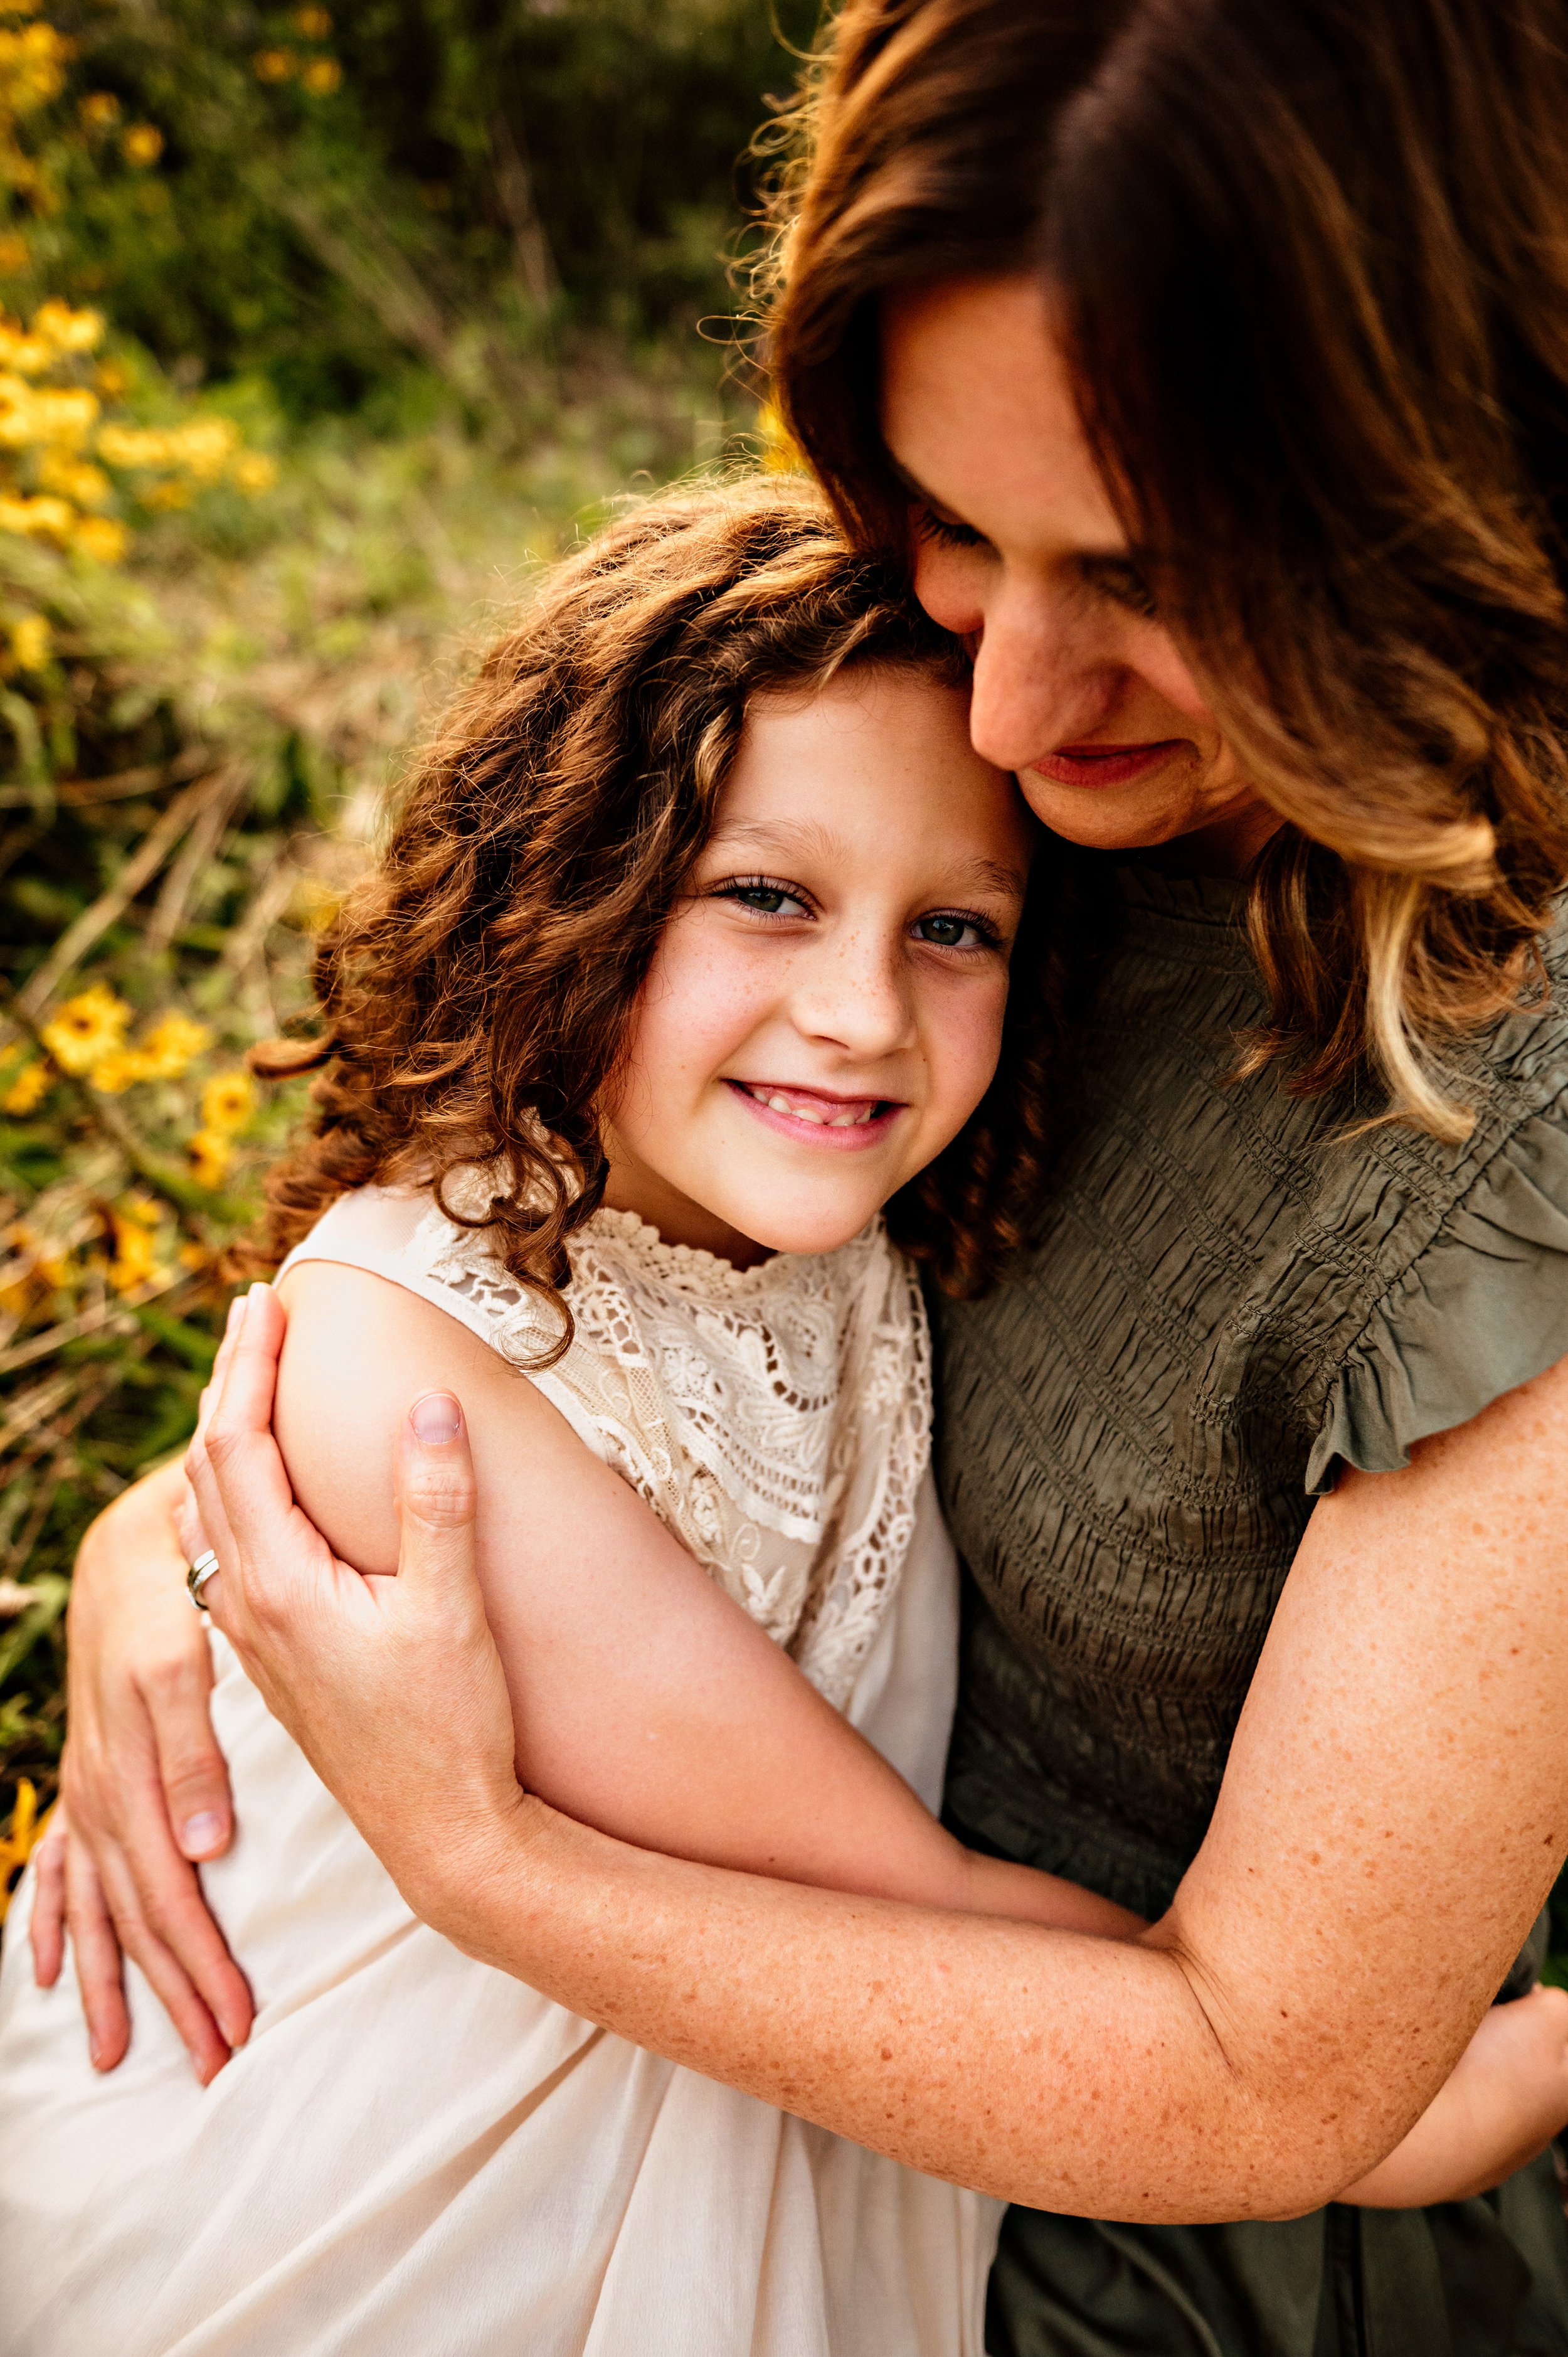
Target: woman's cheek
949, 583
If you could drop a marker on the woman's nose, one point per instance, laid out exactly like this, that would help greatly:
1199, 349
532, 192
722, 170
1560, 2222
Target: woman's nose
1038, 682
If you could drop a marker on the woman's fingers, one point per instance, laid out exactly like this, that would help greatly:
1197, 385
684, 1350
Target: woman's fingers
96, 1949
153, 1891
190, 1766
233, 1463
46, 1930
112, 1914
436, 1496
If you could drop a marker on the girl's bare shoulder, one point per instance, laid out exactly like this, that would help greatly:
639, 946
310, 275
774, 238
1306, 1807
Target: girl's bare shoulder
359, 1350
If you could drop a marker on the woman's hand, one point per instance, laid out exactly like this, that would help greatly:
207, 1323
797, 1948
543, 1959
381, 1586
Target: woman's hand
145, 1793
388, 1684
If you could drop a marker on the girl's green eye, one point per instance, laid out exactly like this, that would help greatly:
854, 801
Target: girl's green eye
767, 899
949, 930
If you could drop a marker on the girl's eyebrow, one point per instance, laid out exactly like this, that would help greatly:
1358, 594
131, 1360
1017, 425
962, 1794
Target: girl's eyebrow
795, 837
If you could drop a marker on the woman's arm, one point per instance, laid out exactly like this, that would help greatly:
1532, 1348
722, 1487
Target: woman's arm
1395, 1811
647, 1703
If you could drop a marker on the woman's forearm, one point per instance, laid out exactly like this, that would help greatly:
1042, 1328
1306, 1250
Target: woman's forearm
1047, 2067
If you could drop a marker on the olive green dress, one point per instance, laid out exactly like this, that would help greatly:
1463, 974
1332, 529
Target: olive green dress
1226, 1300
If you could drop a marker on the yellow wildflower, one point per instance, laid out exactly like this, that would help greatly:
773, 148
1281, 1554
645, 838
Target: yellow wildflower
30, 1086
172, 1045
170, 493
313, 24
18, 349
228, 1101
32, 68
69, 330
113, 379
322, 76
100, 538
130, 445
64, 417
136, 1261
15, 254
120, 1069
27, 1830
75, 478
273, 65
30, 642
87, 1027
142, 145
99, 109
193, 1256
205, 446
254, 471
210, 1156
39, 519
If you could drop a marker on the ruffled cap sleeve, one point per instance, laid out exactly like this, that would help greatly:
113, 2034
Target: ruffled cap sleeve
1479, 1311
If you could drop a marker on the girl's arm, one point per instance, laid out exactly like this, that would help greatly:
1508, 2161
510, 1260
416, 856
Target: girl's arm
647, 1703
1393, 1814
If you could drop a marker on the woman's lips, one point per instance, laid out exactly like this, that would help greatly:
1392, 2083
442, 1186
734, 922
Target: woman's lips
1104, 765
813, 1117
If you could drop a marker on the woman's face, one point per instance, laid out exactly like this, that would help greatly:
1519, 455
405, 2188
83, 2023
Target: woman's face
1076, 686
824, 1009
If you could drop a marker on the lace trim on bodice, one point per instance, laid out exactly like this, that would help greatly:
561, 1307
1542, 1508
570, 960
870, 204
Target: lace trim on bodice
777, 1418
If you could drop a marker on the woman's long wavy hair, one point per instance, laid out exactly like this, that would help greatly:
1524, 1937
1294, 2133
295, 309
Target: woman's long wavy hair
1312, 257
476, 991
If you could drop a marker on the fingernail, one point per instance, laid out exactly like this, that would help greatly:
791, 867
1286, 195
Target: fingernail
236, 1311
436, 1417
95, 2053
201, 1831
260, 1286
234, 2032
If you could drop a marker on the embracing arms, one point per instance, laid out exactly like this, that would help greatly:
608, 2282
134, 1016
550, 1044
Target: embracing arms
1395, 1811
645, 1701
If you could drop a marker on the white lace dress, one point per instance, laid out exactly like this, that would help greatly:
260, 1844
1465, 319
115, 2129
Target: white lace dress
416, 2156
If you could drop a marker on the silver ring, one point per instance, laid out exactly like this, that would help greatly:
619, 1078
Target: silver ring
203, 1570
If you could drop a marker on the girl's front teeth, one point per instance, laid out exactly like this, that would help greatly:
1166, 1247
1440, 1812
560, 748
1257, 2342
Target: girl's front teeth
819, 1120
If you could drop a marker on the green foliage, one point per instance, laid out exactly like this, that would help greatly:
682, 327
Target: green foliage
446, 187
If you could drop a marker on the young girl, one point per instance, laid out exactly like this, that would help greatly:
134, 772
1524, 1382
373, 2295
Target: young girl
674, 1026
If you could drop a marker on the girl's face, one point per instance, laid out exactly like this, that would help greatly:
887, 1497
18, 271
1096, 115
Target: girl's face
1076, 686
824, 1010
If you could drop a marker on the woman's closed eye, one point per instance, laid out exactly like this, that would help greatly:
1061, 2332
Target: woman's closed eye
945, 530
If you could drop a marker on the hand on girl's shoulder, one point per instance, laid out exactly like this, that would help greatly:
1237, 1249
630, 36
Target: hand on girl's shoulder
359, 1350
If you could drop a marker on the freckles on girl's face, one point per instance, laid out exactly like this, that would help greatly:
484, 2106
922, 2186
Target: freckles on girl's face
824, 1009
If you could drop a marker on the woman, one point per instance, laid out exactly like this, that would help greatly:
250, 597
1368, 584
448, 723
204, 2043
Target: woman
1217, 362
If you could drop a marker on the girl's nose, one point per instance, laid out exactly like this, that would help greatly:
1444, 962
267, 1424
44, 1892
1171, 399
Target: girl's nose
854, 997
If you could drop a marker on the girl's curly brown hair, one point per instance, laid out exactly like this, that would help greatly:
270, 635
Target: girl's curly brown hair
476, 989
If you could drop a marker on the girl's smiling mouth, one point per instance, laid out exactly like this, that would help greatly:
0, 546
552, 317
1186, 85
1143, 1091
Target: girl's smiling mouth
815, 1116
